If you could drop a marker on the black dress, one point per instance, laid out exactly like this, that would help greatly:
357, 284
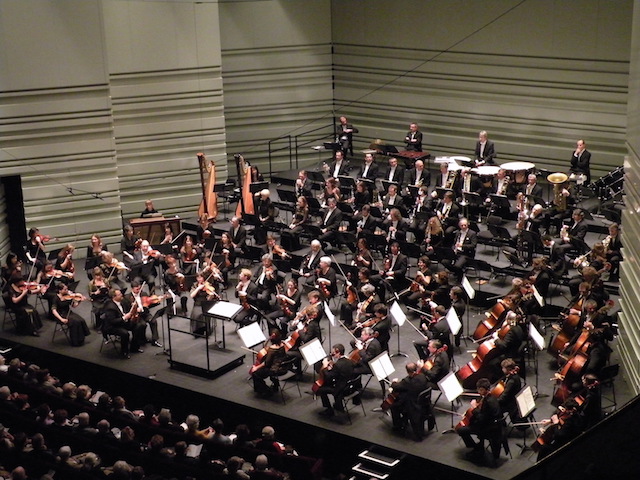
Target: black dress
78, 328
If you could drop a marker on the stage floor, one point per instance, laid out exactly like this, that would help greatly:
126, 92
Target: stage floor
375, 428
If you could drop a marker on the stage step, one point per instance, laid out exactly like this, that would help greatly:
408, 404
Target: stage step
376, 462
379, 458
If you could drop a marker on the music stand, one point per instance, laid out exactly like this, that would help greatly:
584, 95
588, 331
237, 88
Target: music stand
386, 184
315, 177
252, 335
451, 388
441, 191
525, 400
399, 317
330, 316
257, 186
453, 321
287, 196
224, 311
445, 253
346, 181
500, 201
313, 352
471, 294
539, 342
375, 211
333, 146
413, 190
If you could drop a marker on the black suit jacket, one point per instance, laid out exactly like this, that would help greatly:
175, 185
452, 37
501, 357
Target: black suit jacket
113, 315
489, 153
372, 173
239, 239
535, 192
581, 164
341, 171
340, 374
469, 244
413, 143
400, 267
414, 178
398, 175
333, 222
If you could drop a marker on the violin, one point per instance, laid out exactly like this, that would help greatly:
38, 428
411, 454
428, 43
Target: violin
76, 297
323, 286
31, 287
285, 306
210, 290
154, 253
59, 274
280, 251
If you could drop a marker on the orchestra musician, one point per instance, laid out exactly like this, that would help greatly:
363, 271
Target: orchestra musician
128, 244
362, 257
436, 365
339, 166
336, 373
64, 261
435, 329
174, 280
433, 237
532, 189
189, 256
238, 235
421, 284
591, 408
303, 184
306, 329
368, 348
266, 279
12, 268
228, 264
144, 264
143, 314
448, 212
330, 222
203, 294
413, 139
572, 237
369, 168
394, 271
27, 317
331, 190
270, 366
556, 260
395, 226
512, 384
168, 235
266, 214
485, 152
469, 183
149, 210
256, 176
344, 135
580, 160
36, 250
111, 268
326, 278
566, 425
406, 407
418, 175
613, 251
443, 179
459, 306
247, 292
119, 320
391, 200
394, 172
441, 293
365, 223
485, 422
288, 303
515, 340
300, 217
62, 311
98, 290
464, 248
540, 275
362, 196
364, 306
203, 230
272, 248
310, 264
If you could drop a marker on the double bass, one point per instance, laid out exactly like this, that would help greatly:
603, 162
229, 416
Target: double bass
209, 203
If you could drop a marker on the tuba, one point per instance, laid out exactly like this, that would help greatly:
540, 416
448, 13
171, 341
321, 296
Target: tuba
558, 180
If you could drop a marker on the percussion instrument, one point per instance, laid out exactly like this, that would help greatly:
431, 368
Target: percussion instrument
520, 170
486, 170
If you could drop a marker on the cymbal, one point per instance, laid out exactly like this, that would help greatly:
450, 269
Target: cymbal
368, 150
557, 178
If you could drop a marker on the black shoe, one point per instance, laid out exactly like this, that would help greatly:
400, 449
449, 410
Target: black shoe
156, 343
356, 400
327, 412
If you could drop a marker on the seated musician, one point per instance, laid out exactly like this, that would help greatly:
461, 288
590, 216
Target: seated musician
433, 237
339, 166
190, 256
365, 223
144, 264
238, 235
613, 251
540, 275
144, 315
310, 264
421, 284
98, 290
448, 212
391, 200
464, 247
168, 235
96, 248
64, 261
421, 211
394, 272
436, 365
331, 190
27, 317
120, 319
364, 304
326, 278
315, 297
435, 329
572, 236
469, 183
204, 228
273, 249
330, 222
485, 422
303, 184
266, 279
266, 214
300, 216
532, 189
591, 408
512, 384
381, 325
395, 226
418, 175
247, 292
336, 374
174, 281
149, 210
565, 425
288, 303
515, 340
362, 255
306, 329
445, 179
369, 168
394, 173
270, 366
62, 311
556, 260
362, 196
228, 264
368, 347
128, 244
406, 408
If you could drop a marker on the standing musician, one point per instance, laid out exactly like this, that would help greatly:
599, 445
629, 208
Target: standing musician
144, 264
303, 184
238, 235
564, 425
288, 303
394, 172
436, 365
269, 366
435, 329
485, 422
464, 248
413, 139
149, 209
247, 292
36, 252
418, 175
485, 152
135, 297
310, 264
369, 168
339, 166
265, 213
336, 373
27, 317
326, 278
406, 408
344, 135
203, 294
174, 280
61, 310
119, 320
512, 384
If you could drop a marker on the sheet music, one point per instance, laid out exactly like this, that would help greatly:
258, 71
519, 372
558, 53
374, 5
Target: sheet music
252, 335
398, 315
330, 315
450, 386
313, 351
471, 293
454, 322
381, 366
526, 402
537, 338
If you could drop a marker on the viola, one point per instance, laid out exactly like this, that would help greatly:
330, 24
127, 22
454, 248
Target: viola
31, 287
152, 300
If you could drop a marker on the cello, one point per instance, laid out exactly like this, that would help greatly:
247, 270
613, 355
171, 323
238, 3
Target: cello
245, 205
495, 391
209, 203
